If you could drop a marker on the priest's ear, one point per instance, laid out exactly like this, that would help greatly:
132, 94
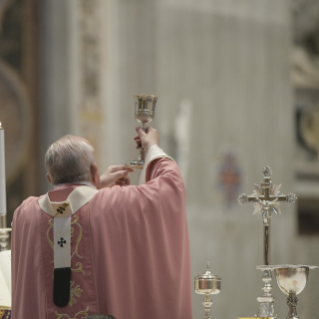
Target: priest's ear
95, 176
49, 178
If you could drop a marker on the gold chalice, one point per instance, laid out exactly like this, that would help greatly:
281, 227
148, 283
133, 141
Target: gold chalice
144, 114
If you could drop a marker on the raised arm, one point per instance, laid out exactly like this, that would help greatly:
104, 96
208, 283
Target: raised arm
160, 182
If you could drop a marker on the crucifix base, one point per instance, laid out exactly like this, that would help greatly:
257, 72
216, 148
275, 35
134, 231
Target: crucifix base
266, 307
266, 302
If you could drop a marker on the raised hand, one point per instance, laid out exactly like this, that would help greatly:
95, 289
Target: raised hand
116, 175
146, 139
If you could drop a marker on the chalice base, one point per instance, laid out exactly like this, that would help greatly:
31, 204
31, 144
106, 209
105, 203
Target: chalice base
136, 163
139, 162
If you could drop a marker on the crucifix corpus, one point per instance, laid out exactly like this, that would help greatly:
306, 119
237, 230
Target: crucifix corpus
267, 198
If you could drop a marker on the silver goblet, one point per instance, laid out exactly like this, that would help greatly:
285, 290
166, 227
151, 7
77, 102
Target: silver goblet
144, 114
291, 280
207, 284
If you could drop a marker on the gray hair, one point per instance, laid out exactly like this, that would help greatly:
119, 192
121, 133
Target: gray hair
69, 160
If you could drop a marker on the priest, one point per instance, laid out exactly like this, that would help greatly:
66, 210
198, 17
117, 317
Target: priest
97, 245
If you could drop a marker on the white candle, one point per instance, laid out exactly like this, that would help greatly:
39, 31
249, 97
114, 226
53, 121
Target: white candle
3, 201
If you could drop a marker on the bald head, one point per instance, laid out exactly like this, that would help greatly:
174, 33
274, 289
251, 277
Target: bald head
69, 160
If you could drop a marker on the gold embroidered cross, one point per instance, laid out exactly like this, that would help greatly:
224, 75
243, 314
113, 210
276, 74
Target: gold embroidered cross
62, 208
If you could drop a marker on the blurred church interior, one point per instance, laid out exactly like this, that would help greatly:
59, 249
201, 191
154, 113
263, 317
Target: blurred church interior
238, 89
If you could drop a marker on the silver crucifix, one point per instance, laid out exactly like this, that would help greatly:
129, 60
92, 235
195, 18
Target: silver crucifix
267, 198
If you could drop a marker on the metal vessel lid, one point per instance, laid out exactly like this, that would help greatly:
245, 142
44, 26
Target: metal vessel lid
207, 275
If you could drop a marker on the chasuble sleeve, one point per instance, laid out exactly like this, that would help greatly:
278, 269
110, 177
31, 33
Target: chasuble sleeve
143, 247
164, 192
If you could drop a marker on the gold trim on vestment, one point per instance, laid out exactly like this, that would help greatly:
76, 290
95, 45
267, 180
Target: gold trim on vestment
83, 312
79, 269
74, 292
78, 240
48, 235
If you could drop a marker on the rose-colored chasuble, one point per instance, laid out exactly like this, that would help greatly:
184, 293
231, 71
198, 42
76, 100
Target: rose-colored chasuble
129, 252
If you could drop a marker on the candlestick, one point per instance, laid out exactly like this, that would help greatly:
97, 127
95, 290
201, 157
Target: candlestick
4, 231
3, 201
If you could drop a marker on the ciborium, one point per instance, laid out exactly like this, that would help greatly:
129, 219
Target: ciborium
207, 284
291, 280
144, 114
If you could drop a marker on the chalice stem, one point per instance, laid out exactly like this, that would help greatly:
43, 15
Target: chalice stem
292, 303
142, 154
142, 151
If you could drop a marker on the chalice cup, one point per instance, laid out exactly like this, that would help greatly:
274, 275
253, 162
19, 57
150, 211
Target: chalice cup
144, 114
207, 284
292, 280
